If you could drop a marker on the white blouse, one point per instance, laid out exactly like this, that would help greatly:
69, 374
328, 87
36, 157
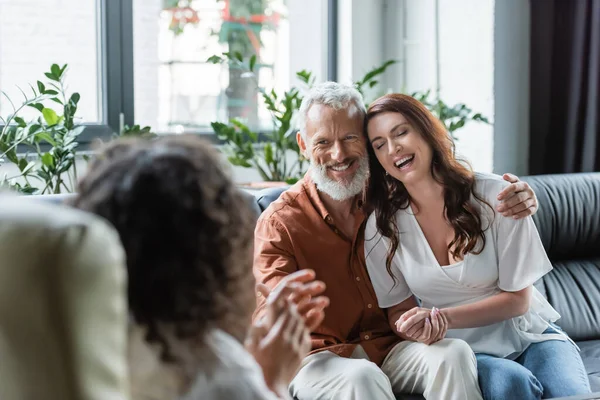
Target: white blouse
513, 259
231, 373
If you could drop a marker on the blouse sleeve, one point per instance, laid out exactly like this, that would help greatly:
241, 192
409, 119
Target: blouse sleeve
376, 248
522, 259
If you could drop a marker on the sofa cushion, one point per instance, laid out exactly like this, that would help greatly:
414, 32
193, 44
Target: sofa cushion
569, 225
590, 352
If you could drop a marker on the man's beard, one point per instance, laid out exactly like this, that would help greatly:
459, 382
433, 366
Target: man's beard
340, 190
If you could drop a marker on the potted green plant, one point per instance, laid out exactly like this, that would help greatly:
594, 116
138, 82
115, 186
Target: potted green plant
269, 152
44, 149
54, 170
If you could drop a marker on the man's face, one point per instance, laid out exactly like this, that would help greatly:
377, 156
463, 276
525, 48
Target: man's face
336, 148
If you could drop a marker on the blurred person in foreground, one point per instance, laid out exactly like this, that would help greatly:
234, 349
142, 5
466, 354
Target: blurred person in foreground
187, 233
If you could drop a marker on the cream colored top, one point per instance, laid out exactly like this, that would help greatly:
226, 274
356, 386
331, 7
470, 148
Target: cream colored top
513, 259
233, 374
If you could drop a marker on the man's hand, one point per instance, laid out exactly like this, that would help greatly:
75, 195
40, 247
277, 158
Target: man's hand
518, 199
301, 289
422, 325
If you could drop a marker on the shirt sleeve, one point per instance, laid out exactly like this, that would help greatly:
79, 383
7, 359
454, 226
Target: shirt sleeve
522, 259
376, 248
273, 257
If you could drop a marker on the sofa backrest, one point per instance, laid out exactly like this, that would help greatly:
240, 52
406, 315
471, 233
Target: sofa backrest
568, 221
569, 225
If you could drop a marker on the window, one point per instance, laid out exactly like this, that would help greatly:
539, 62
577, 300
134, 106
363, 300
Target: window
145, 61
177, 90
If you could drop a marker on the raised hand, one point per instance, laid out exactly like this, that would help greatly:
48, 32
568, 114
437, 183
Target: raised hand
279, 349
301, 289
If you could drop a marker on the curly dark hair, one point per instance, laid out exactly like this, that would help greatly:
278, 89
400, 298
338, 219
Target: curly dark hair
386, 195
187, 232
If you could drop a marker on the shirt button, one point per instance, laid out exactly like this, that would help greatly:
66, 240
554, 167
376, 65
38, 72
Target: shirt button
258, 294
358, 278
366, 337
370, 305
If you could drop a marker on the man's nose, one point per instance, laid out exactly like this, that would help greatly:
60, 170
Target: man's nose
338, 152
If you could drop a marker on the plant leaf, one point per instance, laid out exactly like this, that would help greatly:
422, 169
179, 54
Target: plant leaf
268, 153
252, 62
214, 60
46, 137
37, 106
75, 98
47, 160
50, 116
20, 122
56, 71
239, 162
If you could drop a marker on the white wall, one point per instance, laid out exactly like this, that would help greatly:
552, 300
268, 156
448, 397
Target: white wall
511, 77
360, 35
405, 30
36, 34
464, 69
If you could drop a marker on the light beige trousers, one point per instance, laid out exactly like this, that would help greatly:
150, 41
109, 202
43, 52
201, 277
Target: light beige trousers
445, 370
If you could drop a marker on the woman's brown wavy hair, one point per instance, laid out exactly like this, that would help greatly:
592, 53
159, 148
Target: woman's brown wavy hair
386, 195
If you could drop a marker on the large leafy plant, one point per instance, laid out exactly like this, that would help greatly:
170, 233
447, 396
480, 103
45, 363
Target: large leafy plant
268, 152
51, 138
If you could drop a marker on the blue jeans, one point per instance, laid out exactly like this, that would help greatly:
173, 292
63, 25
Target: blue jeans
547, 369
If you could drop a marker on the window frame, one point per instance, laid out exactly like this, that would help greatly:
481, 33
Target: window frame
116, 83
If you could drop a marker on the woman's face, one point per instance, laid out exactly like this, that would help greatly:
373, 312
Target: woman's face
400, 148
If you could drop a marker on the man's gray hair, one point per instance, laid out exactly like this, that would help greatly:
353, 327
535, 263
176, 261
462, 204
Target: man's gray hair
331, 94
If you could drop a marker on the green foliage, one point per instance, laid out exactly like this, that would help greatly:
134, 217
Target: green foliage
136, 131
54, 129
45, 148
454, 116
266, 152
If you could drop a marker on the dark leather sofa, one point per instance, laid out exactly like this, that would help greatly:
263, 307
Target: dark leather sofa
568, 221
569, 224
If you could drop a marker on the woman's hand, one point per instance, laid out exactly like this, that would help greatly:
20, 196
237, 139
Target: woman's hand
301, 289
422, 325
280, 349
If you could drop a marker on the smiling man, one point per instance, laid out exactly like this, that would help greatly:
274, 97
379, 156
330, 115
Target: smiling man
318, 224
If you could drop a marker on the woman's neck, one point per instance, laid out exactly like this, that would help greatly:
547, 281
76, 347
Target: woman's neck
426, 192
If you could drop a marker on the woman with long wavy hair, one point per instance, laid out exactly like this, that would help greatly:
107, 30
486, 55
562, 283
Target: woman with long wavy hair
434, 234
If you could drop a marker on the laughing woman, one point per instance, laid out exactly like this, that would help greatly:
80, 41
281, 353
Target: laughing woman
434, 235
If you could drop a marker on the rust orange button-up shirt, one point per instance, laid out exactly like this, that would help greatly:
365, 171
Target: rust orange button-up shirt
297, 232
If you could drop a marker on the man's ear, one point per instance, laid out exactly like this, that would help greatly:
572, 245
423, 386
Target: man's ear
301, 144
